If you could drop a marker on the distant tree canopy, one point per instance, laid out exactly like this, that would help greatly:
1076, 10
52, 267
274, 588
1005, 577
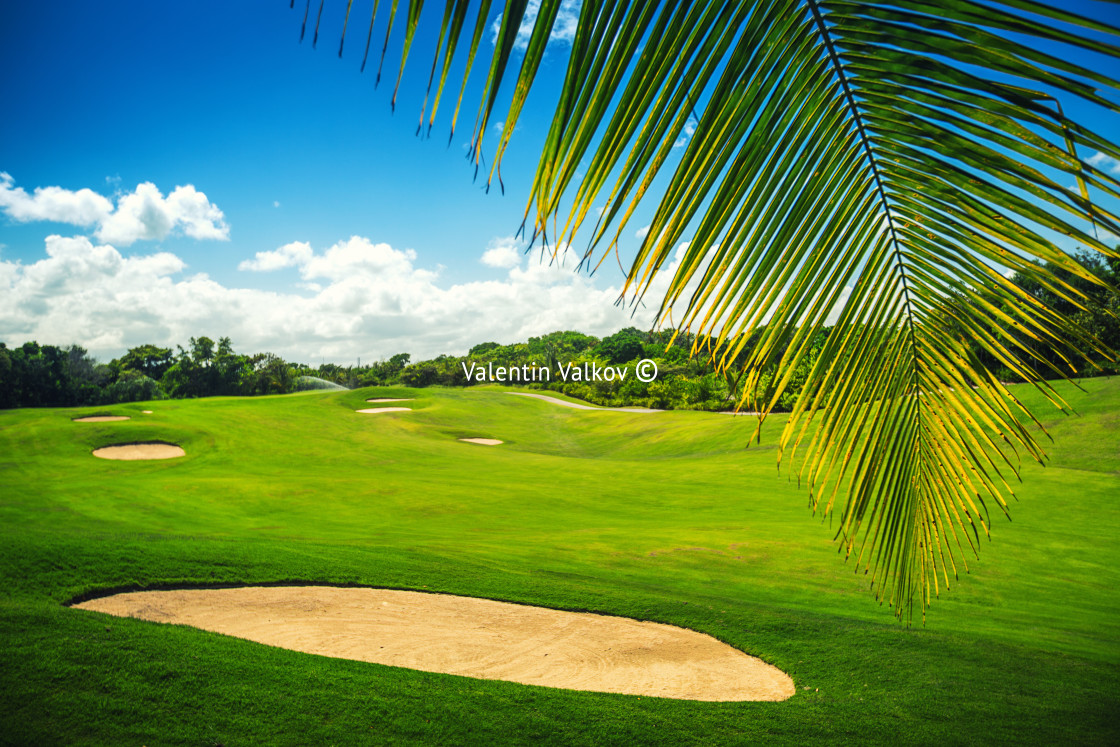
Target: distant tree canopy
34, 375
48, 376
1098, 316
483, 347
623, 346
150, 360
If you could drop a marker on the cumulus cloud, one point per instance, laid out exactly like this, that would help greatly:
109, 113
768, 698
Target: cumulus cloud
290, 255
355, 298
82, 208
563, 30
142, 214
642, 232
146, 214
360, 258
686, 134
83, 292
1104, 162
504, 253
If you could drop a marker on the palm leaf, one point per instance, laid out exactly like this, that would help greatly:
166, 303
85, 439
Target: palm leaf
881, 162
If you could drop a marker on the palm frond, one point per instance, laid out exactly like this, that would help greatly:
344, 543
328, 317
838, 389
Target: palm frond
869, 169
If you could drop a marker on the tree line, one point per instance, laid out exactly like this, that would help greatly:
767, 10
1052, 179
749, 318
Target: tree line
34, 375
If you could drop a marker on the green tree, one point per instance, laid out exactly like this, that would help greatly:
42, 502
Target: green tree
420, 374
231, 373
150, 360
9, 379
396, 364
836, 165
1092, 308
269, 374
202, 350
482, 348
85, 376
131, 386
622, 347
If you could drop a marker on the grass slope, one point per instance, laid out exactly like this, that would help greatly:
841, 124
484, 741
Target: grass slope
660, 516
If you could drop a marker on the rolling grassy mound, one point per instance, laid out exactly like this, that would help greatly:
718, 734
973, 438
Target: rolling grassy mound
665, 516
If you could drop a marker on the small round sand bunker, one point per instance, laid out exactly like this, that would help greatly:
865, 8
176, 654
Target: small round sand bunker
483, 441
101, 419
390, 399
139, 451
376, 410
470, 637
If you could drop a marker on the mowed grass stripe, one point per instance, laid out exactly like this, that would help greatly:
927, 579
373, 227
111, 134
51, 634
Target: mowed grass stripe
666, 516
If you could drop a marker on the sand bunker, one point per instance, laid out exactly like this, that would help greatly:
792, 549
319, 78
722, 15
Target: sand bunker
146, 412
391, 399
375, 410
133, 452
577, 406
101, 419
483, 441
472, 637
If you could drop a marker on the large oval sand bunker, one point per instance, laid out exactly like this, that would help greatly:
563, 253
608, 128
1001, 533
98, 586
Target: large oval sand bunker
139, 451
471, 637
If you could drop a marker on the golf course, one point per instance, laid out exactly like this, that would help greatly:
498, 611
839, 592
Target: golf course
669, 517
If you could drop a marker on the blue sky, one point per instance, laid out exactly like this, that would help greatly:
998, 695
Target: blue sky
222, 96
253, 187
291, 145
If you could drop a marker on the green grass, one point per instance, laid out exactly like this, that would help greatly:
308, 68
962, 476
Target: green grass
666, 517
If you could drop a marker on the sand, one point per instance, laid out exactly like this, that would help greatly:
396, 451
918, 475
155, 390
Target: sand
483, 441
577, 406
146, 412
391, 399
375, 410
134, 452
101, 419
471, 637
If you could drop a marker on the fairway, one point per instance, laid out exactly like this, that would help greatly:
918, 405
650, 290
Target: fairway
658, 516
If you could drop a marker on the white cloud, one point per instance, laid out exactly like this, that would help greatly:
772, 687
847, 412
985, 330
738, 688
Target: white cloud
145, 214
504, 253
82, 208
358, 257
686, 134
838, 308
276, 203
141, 214
290, 255
1104, 162
642, 232
563, 29
356, 298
